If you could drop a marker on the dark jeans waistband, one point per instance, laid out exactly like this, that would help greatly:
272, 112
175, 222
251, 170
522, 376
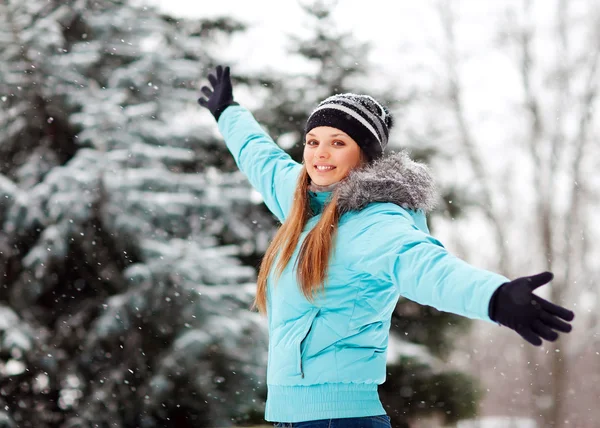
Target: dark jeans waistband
381, 421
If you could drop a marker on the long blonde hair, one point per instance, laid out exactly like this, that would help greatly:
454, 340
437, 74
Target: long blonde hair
313, 259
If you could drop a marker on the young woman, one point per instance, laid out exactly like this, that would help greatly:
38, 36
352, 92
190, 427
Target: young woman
353, 239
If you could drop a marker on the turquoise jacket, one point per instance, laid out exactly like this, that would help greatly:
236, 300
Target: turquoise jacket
327, 357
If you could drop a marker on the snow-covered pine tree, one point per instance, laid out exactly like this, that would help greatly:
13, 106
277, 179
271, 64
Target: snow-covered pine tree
418, 383
123, 293
337, 62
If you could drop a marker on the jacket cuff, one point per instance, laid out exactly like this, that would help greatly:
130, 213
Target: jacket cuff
221, 109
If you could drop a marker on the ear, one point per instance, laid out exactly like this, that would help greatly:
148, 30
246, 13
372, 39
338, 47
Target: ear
364, 159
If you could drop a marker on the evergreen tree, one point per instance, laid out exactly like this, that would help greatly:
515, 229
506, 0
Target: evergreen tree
124, 295
337, 61
418, 383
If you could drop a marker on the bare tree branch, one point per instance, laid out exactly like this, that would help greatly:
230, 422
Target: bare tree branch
536, 131
581, 139
563, 78
575, 250
467, 139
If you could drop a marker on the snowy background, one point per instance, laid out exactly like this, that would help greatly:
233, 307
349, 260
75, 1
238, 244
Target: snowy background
129, 240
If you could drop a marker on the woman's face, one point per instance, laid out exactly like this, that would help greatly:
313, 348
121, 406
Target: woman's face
329, 155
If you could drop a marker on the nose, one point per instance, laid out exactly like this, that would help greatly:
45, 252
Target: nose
322, 152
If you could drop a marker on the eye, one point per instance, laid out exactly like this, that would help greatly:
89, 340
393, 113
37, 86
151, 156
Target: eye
311, 143
339, 143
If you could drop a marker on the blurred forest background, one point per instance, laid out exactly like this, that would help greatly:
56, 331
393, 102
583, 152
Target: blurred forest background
130, 241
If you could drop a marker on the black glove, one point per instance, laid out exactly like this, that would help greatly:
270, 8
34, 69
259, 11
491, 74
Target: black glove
221, 95
515, 306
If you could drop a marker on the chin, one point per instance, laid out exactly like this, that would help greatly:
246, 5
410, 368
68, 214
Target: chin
323, 181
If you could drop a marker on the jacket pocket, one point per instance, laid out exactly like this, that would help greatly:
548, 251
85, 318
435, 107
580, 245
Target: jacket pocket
307, 328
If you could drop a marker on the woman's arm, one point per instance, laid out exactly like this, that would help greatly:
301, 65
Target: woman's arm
422, 270
270, 170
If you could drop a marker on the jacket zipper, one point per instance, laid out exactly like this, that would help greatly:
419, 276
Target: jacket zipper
312, 320
301, 365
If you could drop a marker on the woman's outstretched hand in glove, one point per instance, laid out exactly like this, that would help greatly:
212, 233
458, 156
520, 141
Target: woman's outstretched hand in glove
515, 306
220, 96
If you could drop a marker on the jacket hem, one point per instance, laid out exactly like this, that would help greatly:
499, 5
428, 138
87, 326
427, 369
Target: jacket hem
287, 403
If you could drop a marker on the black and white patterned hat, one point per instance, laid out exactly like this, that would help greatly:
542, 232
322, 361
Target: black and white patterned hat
359, 116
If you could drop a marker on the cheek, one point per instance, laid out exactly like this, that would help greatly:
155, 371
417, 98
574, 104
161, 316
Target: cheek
306, 156
351, 160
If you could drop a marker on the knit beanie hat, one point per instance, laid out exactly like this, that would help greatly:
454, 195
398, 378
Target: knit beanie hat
359, 116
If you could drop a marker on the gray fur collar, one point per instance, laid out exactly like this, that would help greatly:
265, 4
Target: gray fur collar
393, 178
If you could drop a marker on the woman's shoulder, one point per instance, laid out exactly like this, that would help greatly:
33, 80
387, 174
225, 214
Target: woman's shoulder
384, 220
379, 213
382, 228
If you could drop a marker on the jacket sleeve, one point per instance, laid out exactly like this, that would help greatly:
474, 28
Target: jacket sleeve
400, 253
270, 170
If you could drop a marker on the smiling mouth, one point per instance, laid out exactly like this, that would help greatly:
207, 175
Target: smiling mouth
326, 169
